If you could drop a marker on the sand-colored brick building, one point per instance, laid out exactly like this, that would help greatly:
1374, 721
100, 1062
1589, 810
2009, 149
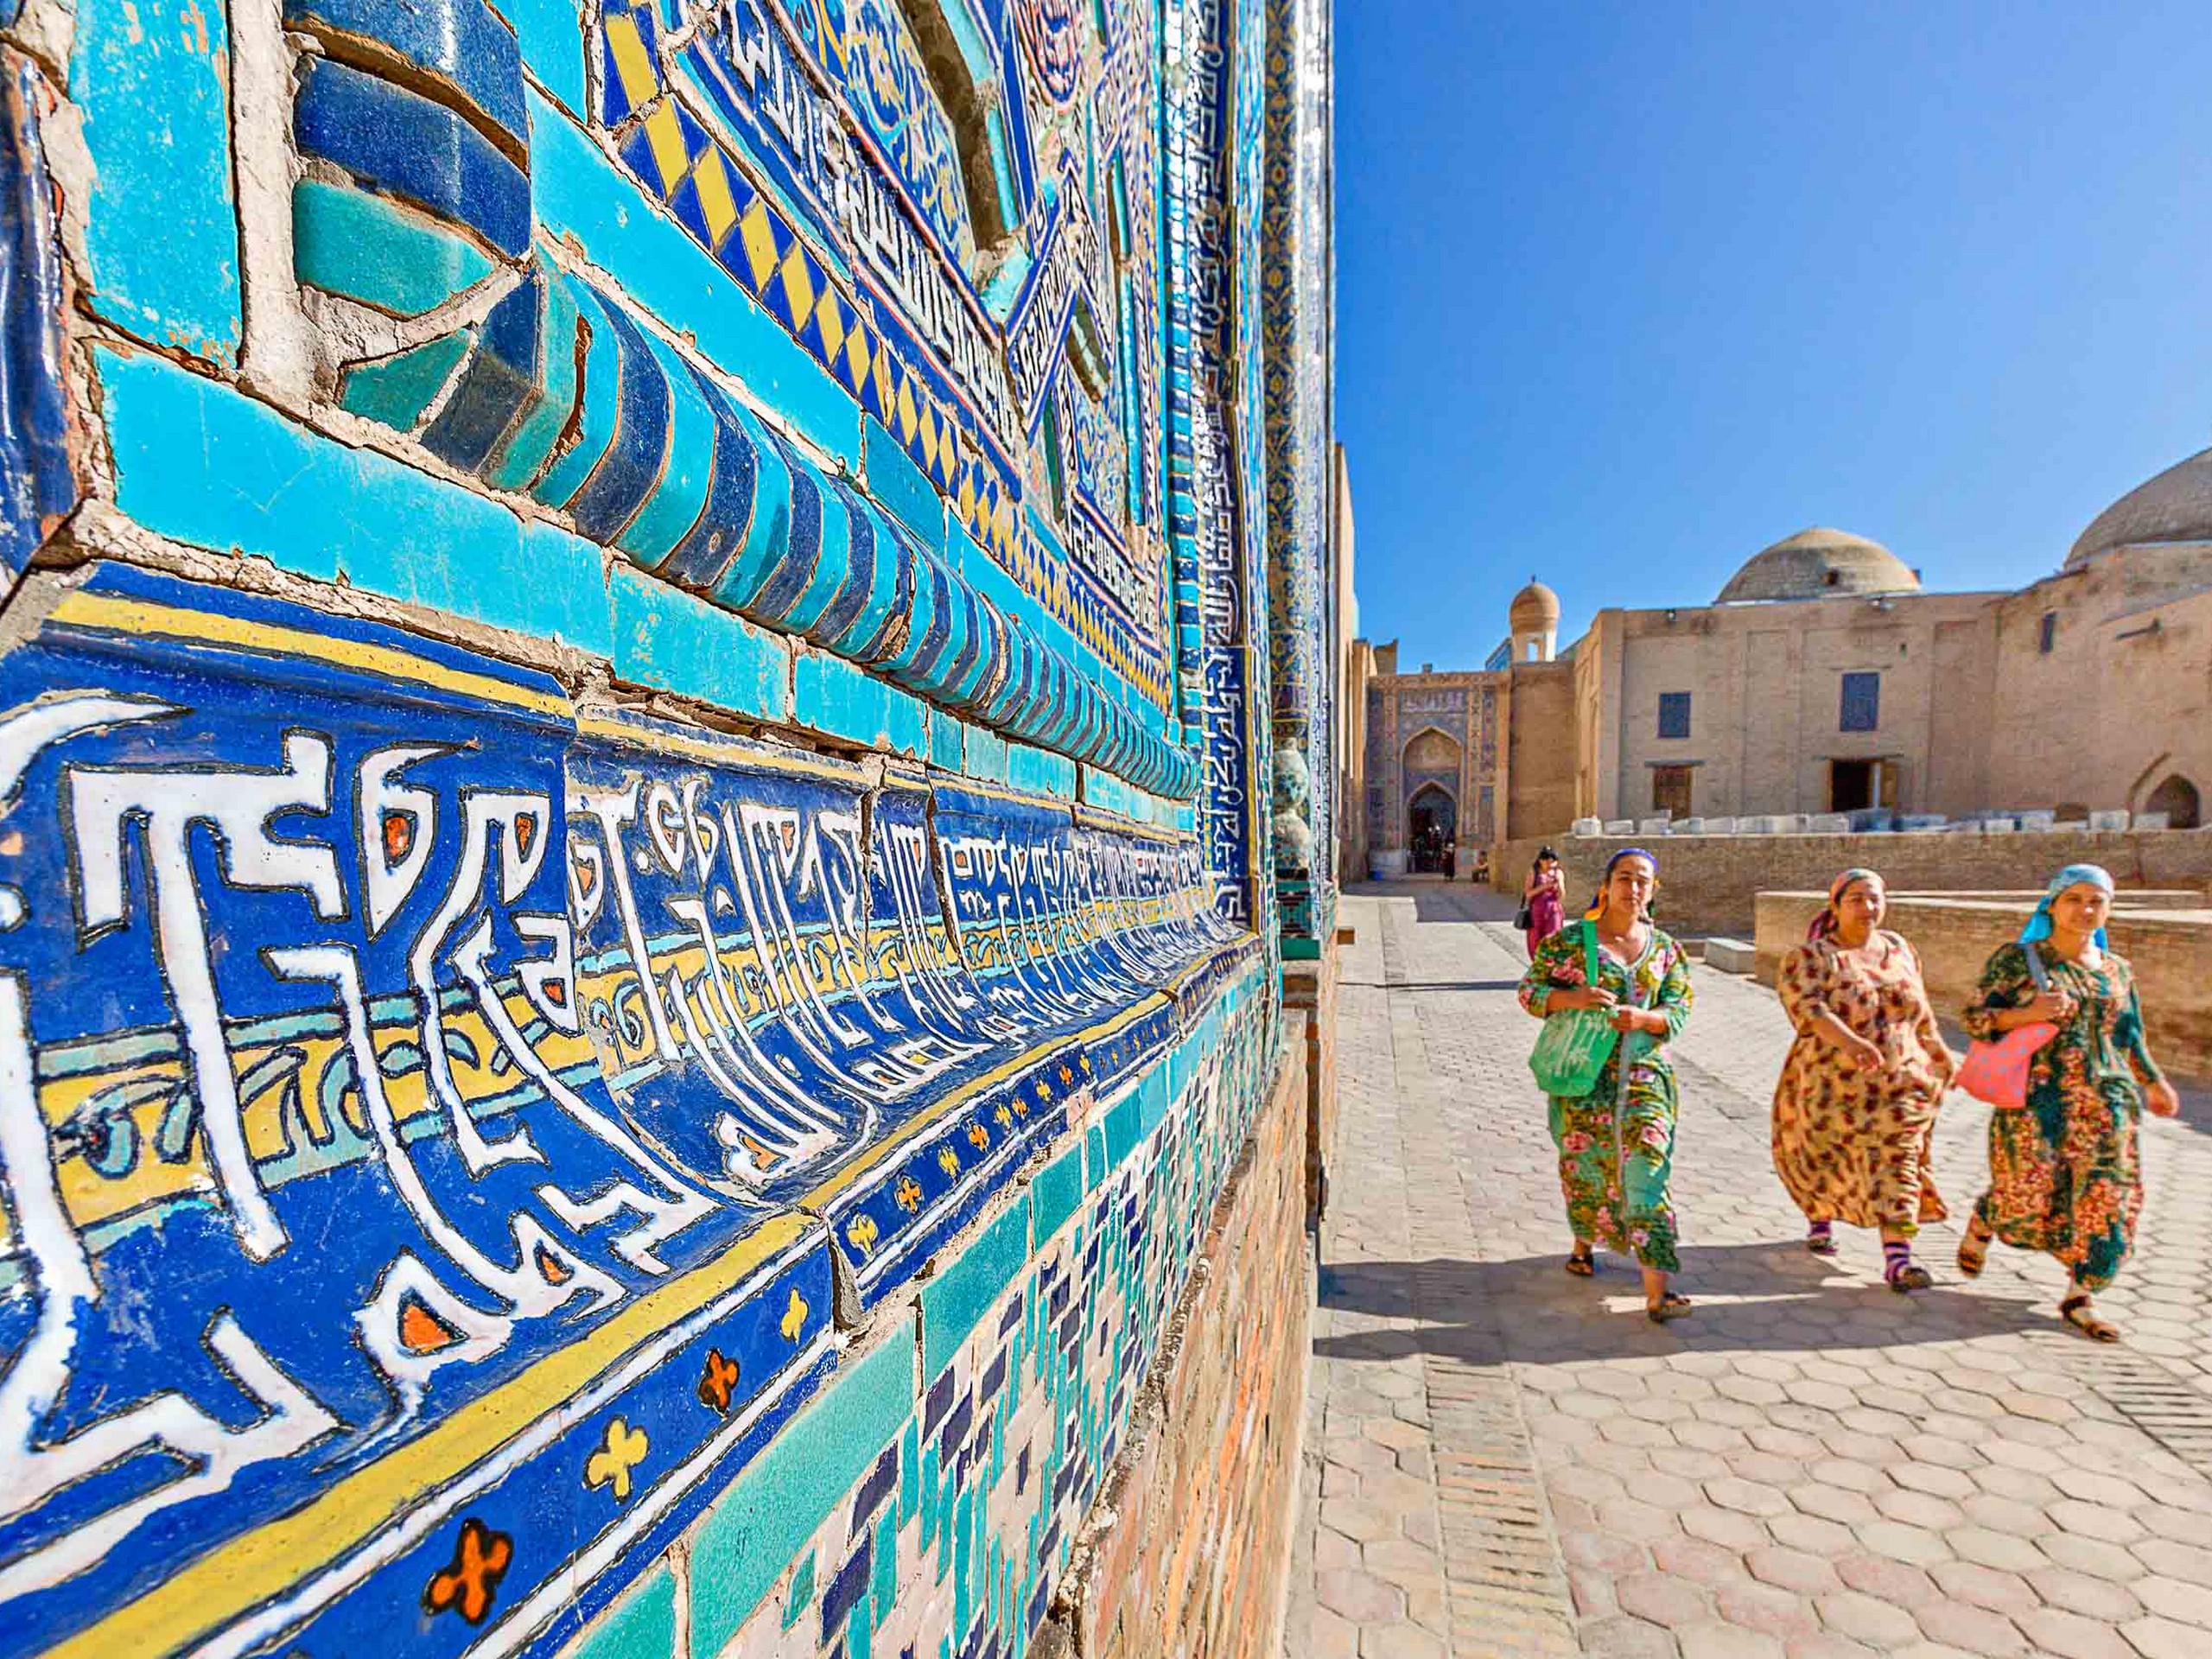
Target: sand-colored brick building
1824, 677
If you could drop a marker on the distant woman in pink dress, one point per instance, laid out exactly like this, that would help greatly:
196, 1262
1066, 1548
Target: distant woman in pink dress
1543, 900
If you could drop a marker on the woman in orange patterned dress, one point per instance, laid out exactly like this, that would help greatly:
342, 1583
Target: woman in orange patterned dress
1855, 1109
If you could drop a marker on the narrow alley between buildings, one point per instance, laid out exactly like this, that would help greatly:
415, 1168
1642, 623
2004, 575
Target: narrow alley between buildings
1503, 1460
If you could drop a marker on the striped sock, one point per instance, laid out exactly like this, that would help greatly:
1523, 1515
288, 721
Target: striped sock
1820, 1236
1897, 1256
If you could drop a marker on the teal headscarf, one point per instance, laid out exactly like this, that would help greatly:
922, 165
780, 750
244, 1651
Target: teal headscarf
2073, 875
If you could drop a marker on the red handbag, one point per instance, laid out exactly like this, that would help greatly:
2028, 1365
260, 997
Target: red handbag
1997, 1073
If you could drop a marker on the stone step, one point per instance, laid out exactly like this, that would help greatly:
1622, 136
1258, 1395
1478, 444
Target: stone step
1731, 956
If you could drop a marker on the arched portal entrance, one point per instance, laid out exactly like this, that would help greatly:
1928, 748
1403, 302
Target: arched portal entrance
2176, 798
1432, 827
1429, 772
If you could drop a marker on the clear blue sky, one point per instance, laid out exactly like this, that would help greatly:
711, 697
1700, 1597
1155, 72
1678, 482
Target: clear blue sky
1628, 291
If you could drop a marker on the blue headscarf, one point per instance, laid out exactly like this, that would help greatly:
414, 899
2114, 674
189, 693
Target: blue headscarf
2073, 875
1597, 905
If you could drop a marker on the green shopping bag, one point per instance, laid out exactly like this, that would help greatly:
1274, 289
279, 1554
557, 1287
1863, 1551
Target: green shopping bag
1573, 1046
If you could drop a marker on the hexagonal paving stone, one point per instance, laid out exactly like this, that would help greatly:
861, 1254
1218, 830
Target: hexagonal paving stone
1719, 1641
1984, 1587
1401, 1641
1998, 1549
1878, 1576
2164, 1640
2183, 1602
1861, 1618
1768, 1609
2096, 1520
1663, 1600
1746, 1497
2071, 1635
1623, 1637
1355, 1519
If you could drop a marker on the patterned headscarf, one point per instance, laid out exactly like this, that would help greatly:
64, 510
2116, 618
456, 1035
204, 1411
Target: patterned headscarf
2073, 875
1824, 923
1596, 907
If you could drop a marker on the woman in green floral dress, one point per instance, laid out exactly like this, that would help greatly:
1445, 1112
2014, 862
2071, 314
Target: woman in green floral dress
2065, 1171
1617, 1143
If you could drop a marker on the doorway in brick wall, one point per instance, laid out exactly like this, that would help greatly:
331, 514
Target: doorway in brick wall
1855, 785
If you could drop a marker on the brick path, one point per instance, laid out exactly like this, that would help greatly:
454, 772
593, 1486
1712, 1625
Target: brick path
1506, 1460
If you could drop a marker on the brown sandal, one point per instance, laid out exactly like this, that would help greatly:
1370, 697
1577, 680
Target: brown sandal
2077, 1312
1582, 1263
1669, 1307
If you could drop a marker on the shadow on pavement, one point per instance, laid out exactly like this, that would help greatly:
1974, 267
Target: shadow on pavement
1457, 985
1751, 1298
1452, 903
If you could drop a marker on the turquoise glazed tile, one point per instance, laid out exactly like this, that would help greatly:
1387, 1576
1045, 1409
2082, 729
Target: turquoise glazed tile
602, 386
1040, 770
677, 499
743, 1547
984, 753
500, 383
576, 190
666, 637
1054, 1194
396, 389
151, 78
532, 440
831, 696
199, 462
550, 36
346, 241
1121, 1124
899, 487
640, 1626
799, 1595
203, 464
961, 1293
947, 751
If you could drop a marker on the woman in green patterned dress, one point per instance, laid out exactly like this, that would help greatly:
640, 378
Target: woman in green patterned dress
2065, 1170
1617, 1143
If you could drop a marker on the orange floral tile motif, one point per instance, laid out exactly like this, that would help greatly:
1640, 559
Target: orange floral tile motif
468, 1583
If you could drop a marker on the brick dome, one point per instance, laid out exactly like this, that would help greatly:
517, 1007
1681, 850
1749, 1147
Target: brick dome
1820, 564
2176, 507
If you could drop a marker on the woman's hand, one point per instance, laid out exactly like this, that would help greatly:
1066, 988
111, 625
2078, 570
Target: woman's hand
1864, 1056
1647, 1021
2160, 1099
2045, 1008
1579, 997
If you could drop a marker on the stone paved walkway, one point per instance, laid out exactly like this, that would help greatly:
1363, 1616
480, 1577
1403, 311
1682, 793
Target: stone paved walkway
1506, 1460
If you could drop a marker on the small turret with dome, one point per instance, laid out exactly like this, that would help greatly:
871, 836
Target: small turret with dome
1534, 616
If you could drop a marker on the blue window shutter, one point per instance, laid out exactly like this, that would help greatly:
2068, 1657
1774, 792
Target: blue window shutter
1862, 703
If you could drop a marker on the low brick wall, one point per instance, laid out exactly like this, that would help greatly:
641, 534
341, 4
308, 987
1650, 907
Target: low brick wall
2169, 949
1708, 883
1187, 1549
